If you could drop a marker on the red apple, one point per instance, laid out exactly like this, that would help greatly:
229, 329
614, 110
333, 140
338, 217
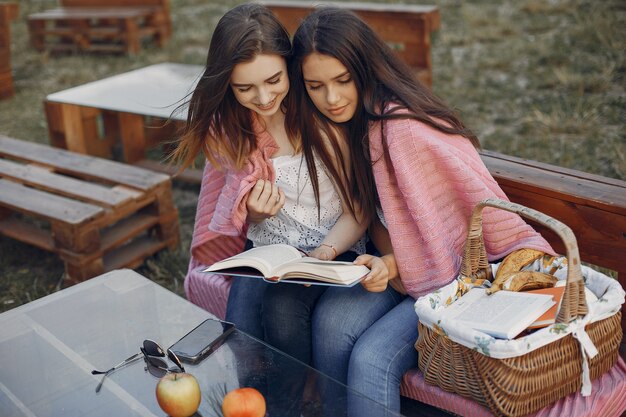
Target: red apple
244, 402
178, 394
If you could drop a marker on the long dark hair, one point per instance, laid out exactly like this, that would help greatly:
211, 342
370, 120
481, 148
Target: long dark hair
381, 78
217, 124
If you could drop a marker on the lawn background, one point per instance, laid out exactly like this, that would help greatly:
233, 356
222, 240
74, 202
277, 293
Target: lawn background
538, 79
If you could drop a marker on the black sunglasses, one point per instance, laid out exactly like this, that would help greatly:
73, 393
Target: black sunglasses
152, 354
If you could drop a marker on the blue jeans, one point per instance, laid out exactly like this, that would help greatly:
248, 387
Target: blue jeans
245, 301
366, 340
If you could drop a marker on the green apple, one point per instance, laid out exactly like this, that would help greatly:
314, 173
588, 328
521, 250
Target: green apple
178, 394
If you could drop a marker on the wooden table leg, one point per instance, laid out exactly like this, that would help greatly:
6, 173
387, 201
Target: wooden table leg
132, 136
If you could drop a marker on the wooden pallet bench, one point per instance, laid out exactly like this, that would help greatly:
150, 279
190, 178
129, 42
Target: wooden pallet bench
95, 214
406, 28
8, 12
100, 25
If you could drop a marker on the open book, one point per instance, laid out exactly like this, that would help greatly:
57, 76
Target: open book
284, 263
503, 315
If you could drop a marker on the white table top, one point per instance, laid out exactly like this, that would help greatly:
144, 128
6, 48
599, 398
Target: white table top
156, 90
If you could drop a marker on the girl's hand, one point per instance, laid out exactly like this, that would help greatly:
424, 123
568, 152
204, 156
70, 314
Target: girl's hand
378, 278
264, 200
323, 252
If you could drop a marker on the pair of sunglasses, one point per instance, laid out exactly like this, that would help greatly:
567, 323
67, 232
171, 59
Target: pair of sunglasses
152, 354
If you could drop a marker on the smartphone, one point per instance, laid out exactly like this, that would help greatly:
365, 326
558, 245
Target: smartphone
202, 340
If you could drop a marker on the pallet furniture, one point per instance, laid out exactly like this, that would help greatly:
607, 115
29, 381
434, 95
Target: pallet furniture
8, 12
125, 115
406, 28
96, 215
100, 25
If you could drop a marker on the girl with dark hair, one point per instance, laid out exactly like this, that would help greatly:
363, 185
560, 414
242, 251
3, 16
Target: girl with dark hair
416, 171
256, 187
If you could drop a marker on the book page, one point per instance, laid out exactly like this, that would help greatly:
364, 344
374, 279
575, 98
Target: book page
503, 314
338, 272
263, 258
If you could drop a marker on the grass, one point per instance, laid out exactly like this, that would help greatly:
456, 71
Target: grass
539, 79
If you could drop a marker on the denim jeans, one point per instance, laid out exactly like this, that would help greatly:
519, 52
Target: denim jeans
244, 307
245, 301
287, 321
365, 340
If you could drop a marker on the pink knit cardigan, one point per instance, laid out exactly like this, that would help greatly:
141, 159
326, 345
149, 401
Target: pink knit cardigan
428, 187
220, 225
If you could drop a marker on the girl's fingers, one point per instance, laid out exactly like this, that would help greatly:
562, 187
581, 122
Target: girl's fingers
363, 259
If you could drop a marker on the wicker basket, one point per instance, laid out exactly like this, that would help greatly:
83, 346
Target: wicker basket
523, 384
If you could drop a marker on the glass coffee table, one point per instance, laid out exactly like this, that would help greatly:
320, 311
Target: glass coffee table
49, 347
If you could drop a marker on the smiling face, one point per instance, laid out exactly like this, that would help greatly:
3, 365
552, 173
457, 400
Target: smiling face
261, 84
330, 86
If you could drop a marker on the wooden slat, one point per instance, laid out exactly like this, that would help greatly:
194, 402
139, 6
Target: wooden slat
27, 233
45, 205
126, 229
62, 185
132, 256
112, 3
87, 13
81, 165
190, 175
569, 185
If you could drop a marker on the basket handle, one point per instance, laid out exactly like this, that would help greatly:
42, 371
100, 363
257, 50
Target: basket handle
475, 263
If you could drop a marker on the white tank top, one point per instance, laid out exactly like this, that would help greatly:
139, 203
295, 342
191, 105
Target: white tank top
297, 223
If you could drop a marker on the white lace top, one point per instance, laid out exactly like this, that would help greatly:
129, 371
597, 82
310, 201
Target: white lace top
297, 223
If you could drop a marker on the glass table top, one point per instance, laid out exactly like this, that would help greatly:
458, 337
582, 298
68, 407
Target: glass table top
48, 348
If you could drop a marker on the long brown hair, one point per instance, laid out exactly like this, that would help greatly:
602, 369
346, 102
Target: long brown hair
217, 124
381, 78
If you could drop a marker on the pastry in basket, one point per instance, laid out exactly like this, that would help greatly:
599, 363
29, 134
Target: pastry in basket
510, 276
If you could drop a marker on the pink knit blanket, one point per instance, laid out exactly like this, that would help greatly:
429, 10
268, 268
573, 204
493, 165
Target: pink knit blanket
427, 193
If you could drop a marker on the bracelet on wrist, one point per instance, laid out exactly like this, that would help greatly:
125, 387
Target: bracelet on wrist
332, 247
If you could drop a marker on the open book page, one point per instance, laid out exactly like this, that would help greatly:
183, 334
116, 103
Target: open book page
263, 258
312, 269
504, 314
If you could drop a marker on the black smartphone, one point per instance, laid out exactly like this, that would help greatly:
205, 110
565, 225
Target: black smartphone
202, 340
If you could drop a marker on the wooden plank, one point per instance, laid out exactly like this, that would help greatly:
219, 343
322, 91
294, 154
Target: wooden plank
61, 185
116, 3
83, 166
27, 233
190, 175
132, 134
132, 255
548, 180
45, 205
87, 13
126, 229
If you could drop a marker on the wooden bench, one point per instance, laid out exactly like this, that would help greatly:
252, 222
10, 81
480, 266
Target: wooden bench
100, 25
96, 215
406, 28
8, 12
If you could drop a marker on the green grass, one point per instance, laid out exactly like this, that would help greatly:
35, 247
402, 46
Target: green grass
539, 79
